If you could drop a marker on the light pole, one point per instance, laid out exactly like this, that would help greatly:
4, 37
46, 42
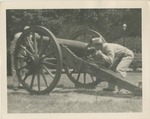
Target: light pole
124, 29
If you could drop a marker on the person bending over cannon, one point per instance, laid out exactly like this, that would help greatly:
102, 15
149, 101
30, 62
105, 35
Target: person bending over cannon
116, 56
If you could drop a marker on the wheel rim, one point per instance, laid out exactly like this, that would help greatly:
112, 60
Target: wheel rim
86, 35
38, 62
79, 78
82, 80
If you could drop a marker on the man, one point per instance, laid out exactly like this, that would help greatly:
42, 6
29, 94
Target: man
116, 56
15, 81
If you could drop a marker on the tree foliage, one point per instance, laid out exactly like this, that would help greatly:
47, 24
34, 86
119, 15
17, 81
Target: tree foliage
63, 22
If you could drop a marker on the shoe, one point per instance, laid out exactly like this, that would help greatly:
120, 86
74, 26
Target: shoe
20, 86
123, 91
108, 89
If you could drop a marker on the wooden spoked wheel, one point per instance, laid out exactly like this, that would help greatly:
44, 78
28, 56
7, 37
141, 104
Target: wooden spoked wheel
38, 60
80, 79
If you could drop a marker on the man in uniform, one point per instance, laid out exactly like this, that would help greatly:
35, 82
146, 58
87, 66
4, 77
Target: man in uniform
118, 58
15, 81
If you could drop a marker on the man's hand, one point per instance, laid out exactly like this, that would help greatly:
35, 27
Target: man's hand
99, 52
98, 55
91, 50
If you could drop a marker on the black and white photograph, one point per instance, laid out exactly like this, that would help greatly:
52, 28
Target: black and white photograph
76, 60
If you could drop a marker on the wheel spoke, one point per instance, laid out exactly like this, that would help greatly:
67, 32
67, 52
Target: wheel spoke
51, 59
35, 43
78, 76
32, 81
43, 75
47, 55
41, 44
22, 57
50, 73
49, 63
92, 78
22, 67
30, 45
38, 77
26, 50
26, 76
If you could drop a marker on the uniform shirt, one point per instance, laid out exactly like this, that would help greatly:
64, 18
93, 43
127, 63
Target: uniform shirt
111, 52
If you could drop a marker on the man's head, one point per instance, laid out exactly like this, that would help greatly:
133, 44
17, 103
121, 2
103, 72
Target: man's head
97, 42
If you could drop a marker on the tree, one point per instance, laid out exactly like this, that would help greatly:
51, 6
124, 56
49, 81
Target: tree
106, 21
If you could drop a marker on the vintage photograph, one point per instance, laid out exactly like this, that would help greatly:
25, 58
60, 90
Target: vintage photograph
74, 60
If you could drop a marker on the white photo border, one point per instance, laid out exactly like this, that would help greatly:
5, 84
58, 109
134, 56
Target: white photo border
66, 4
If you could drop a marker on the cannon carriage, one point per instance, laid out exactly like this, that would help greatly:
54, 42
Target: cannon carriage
40, 58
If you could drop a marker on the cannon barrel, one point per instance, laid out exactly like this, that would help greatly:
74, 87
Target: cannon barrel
78, 47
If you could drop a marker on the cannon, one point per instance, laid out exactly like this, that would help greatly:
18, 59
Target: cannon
40, 58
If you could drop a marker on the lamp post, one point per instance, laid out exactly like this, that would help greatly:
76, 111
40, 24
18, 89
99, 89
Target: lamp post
124, 29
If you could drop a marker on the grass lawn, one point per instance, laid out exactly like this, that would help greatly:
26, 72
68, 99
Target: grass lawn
66, 99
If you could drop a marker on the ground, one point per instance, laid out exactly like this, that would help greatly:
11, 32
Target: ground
67, 99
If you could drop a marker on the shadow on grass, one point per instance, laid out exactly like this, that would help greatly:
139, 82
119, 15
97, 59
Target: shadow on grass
107, 94
95, 92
